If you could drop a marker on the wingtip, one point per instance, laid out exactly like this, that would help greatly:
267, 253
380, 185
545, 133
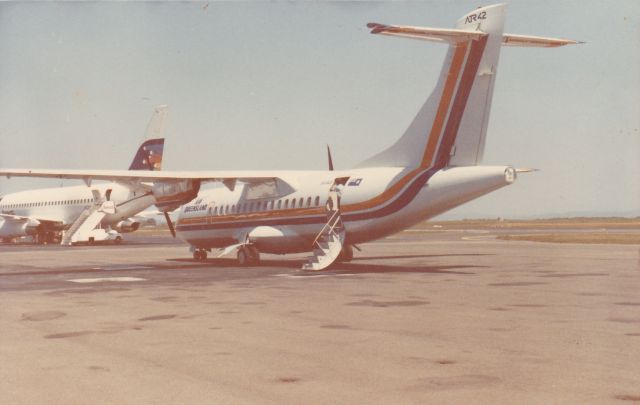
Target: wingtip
376, 27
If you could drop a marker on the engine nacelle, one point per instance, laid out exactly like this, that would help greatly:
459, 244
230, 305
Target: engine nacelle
170, 195
127, 226
10, 228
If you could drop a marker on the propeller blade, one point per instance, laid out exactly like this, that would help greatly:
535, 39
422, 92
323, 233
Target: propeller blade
170, 224
329, 157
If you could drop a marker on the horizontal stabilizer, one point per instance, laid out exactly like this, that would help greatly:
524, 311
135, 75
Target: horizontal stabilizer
425, 33
532, 41
458, 35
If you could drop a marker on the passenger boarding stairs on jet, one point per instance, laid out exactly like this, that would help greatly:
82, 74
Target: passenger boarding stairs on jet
89, 219
328, 244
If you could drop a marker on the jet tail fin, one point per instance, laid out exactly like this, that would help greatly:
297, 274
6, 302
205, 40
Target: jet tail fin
149, 154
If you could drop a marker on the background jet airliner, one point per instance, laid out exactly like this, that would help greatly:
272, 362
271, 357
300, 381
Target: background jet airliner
433, 167
44, 213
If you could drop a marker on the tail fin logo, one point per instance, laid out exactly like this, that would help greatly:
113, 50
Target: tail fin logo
149, 156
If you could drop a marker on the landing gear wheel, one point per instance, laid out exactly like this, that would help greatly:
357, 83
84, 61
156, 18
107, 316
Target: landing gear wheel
346, 254
254, 255
243, 257
200, 255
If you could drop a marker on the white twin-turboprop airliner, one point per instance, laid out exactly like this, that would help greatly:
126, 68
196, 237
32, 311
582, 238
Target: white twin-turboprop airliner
432, 168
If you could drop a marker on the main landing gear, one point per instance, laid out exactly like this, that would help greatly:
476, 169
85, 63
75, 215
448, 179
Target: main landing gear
248, 255
346, 254
200, 255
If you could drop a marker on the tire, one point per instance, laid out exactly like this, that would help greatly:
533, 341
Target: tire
254, 255
243, 257
346, 254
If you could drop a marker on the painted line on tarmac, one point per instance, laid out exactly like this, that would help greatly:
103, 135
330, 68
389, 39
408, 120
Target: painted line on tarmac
483, 237
122, 267
106, 279
301, 276
312, 275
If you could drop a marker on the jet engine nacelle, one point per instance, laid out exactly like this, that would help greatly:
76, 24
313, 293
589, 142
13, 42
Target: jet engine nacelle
170, 195
16, 228
127, 226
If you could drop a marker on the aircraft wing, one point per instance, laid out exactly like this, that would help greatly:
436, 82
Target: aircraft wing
18, 218
11, 217
140, 175
256, 179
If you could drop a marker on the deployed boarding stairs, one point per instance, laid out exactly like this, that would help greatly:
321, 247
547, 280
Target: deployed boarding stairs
88, 219
328, 244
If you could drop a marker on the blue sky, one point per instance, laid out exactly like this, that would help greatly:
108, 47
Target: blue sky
258, 85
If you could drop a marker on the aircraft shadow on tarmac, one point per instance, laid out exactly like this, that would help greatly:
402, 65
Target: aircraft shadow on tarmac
418, 256
347, 268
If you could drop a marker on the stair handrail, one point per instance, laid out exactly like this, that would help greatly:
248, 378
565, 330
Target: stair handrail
328, 224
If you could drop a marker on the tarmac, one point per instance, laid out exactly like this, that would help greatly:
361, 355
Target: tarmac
426, 316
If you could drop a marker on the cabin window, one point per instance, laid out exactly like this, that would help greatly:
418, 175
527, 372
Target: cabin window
279, 204
233, 209
317, 201
301, 201
286, 203
226, 209
309, 202
270, 205
293, 203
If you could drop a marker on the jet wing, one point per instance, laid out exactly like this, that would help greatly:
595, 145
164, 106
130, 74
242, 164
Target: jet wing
20, 218
11, 217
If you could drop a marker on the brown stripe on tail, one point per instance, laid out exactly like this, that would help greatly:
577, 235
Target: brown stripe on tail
445, 102
460, 101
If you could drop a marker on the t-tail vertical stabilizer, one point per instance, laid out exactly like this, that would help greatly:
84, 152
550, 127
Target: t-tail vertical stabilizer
450, 128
